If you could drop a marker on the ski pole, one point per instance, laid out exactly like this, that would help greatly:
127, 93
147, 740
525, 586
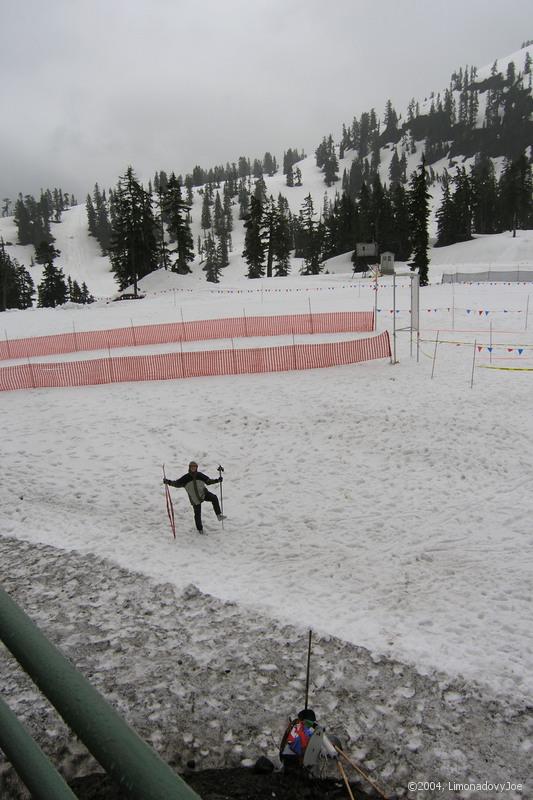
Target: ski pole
345, 779
360, 771
170, 507
308, 669
220, 470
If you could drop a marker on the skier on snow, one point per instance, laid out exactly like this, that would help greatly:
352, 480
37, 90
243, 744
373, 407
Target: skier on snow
195, 483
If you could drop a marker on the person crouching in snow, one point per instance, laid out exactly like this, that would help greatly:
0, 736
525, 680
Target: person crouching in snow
296, 739
195, 483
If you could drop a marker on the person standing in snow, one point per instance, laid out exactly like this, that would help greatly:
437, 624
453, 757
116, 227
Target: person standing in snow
195, 483
296, 738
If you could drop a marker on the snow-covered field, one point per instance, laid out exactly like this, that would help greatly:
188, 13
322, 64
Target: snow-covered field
388, 510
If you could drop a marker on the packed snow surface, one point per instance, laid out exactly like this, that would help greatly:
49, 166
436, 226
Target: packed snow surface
387, 505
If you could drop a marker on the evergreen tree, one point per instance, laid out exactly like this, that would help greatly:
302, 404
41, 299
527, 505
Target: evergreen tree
331, 165
86, 296
390, 134
395, 172
244, 200
260, 191
102, 225
485, 195
177, 214
16, 285
189, 187
23, 222
419, 216
445, 219
515, 192
401, 245
91, 216
223, 249
228, 213
254, 244
212, 265
312, 242
462, 206
52, 291
269, 164
133, 250
244, 169
282, 238
366, 216
206, 211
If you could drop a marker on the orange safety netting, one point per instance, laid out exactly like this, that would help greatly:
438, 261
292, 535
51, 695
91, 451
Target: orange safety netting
199, 330
169, 366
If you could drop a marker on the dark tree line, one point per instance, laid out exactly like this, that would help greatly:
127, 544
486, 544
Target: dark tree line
16, 285
33, 220
33, 217
142, 238
476, 202
395, 218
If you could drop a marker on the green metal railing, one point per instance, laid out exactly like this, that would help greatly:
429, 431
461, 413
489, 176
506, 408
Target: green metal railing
121, 752
30, 762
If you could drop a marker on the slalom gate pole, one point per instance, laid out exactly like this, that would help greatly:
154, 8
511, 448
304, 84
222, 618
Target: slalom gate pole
360, 771
220, 470
308, 669
170, 507
345, 779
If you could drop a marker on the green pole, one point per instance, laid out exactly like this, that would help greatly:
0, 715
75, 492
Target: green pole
121, 752
38, 774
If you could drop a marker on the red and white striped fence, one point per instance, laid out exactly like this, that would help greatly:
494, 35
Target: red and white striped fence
169, 366
227, 328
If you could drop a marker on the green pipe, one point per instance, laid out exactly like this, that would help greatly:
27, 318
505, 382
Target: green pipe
121, 752
38, 774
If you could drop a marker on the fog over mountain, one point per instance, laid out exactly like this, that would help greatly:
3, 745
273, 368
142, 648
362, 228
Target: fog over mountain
89, 87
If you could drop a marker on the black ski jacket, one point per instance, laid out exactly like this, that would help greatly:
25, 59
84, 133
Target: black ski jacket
194, 484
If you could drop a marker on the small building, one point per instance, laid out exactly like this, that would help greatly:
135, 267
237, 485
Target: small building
387, 263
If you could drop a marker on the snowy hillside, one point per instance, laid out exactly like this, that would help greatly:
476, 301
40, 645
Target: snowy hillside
386, 506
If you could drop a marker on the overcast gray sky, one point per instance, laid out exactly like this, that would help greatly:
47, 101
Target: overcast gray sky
90, 86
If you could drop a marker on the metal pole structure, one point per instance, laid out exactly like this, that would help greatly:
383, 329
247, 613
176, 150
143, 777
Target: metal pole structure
9, 352
220, 469
394, 360
473, 364
415, 310
75, 337
376, 300
33, 767
310, 316
308, 669
490, 339
110, 362
453, 305
435, 354
121, 752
